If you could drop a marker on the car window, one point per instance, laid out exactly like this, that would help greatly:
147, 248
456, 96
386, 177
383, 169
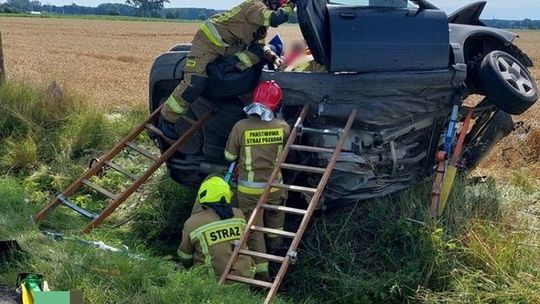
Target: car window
376, 3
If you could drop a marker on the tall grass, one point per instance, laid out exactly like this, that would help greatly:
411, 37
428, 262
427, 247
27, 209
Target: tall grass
46, 139
484, 250
18, 153
389, 251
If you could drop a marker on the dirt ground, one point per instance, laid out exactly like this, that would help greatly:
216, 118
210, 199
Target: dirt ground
7, 296
110, 62
107, 60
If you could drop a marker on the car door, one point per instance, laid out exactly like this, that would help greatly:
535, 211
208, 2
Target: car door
386, 35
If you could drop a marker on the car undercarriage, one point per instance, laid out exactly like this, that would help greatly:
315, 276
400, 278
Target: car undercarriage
403, 68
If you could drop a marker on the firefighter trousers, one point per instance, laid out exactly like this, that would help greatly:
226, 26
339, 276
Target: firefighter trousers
195, 80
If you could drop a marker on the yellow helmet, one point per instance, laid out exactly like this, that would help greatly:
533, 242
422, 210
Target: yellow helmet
214, 190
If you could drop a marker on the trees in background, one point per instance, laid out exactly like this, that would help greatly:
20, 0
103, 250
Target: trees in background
147, 8
19, 5
155, 8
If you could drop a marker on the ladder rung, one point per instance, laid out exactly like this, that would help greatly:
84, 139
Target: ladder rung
295, 188
153, 129
158, 132
260, 283
270, 257
320, 131
284, 209
191, 121
99, 189
142, 151
273, 231
303, 168
116, 167
66, 202
311, 149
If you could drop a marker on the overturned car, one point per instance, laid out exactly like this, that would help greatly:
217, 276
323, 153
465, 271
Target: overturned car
402, 64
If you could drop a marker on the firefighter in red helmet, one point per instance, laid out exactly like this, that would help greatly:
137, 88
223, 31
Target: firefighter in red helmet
256, 143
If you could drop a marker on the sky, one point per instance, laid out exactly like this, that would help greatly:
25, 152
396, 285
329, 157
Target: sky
499, 9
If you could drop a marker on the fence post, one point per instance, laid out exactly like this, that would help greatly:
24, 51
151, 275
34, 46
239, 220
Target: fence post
2, 69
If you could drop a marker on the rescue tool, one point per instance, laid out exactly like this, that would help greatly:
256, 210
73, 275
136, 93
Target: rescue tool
106, 162
306, 214
29, 284
451, 171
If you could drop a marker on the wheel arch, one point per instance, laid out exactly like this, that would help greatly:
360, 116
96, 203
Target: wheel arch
484, 42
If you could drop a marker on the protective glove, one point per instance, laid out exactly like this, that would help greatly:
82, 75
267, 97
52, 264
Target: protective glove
278, 62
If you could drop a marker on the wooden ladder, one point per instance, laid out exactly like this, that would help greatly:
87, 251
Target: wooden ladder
105, 162
305, 213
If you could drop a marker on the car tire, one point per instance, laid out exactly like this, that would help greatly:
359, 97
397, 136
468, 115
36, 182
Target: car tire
181, 47
233, 84
507, 83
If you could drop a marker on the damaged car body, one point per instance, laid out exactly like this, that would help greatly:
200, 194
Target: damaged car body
403, 64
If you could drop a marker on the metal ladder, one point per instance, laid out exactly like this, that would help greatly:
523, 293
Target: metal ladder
105, 162
305, 213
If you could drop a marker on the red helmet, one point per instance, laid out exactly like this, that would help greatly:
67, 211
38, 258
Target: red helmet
268, 93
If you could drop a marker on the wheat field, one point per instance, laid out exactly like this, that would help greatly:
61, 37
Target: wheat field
110, 61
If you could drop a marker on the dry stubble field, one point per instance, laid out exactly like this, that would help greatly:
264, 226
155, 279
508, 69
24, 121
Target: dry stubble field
109, 61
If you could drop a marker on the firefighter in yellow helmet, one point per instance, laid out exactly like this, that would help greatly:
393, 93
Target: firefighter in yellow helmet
225, 34
209, 237
256, 144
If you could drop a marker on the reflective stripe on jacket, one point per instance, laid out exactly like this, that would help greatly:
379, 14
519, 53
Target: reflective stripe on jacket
208, 240
257, 145
239, 26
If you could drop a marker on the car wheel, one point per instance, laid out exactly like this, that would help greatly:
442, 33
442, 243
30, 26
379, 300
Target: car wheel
181, 47
507, 83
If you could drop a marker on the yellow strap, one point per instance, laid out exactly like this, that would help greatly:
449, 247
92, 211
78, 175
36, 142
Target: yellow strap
244, 59
229, 156
212, 34
266, 17
175, 106
199, 231
207, 256
262, 267
258, 191
184, 256
191, 63
249, 165
279, 151
448, 182
26, 295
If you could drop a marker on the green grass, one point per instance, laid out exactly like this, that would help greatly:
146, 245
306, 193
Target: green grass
389, 251
486, 249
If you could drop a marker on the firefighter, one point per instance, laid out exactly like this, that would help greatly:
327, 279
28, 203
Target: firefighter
225, 35
208, 237
256, 144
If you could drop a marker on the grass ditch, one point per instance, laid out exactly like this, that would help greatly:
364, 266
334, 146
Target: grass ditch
485, 249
